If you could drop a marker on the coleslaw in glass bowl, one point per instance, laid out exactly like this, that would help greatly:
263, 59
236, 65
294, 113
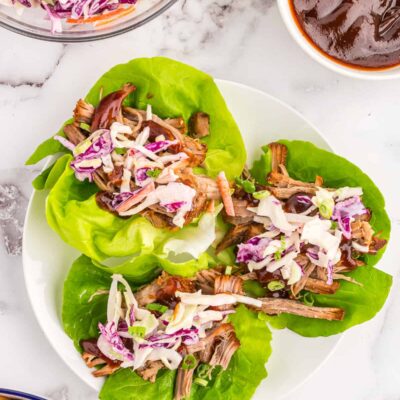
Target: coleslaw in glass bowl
71, 21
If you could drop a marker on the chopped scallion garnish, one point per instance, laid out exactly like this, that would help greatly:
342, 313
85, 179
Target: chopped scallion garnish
228, 270
139, 331
189, 362
247, 185
278, 253
204, 371
308, 299
120, 150
273, 286
262, 194
85, 126
153, 173
157, 307
201, 382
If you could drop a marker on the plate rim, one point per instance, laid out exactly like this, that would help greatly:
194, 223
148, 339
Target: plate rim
35, 308
21, 395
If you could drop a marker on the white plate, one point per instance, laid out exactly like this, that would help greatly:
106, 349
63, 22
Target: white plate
47, 258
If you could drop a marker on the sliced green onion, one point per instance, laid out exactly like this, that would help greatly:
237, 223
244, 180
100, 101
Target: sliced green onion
278, 253
138, 331
326, 209
308, 299
84, 126
157, 307
189, 362
204, 371
262, 194
228, 270
334, 225
153, 173
201, 382
325, 203
120, 150
248, 186
82, 147
275, 285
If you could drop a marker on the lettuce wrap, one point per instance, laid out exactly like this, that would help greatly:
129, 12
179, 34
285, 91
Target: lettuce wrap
85, 305
362, 290
172, 89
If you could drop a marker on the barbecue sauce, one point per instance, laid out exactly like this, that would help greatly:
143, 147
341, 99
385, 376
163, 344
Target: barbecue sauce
298, 203
109, 108
90, 346
166, 293
346, 258
364, 34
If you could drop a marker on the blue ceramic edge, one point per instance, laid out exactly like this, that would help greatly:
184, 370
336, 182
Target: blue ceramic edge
23, 395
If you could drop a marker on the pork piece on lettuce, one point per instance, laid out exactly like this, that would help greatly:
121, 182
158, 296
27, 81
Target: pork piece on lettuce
135, 174
308, 227
170, 338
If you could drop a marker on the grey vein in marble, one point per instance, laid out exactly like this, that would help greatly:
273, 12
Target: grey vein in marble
23, 64
244, 41
202, 27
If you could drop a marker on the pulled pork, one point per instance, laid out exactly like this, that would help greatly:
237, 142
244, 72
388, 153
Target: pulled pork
295, 197
135, 160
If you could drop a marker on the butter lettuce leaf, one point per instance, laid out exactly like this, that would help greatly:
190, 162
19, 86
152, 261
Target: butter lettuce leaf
360, 303
49, 176
49, 147
239, 382
129, 246
85, 297
84, 300
85, 304
127, 385
173, 89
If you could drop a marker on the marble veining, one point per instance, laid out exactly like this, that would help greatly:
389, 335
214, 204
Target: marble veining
244, 41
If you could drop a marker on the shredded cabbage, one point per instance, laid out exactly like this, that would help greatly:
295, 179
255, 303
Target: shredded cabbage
345, 211
57, 10
196, 239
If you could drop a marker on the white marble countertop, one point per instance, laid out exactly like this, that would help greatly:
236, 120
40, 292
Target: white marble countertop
231, 39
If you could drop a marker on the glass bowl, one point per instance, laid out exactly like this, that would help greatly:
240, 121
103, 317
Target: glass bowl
33, 23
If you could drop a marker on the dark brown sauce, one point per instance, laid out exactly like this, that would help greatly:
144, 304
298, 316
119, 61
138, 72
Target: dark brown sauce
166, 294
264, 277
364, 34
110, 108
90, 346
298, 203
347, 259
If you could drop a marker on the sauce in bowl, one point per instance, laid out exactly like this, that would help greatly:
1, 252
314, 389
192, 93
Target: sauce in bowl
360, 33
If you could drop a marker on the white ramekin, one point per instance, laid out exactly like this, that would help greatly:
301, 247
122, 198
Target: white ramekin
299, 36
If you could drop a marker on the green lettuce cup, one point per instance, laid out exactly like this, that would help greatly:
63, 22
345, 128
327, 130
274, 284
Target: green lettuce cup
85, 298
173, 90
360, 301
